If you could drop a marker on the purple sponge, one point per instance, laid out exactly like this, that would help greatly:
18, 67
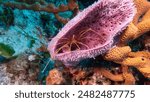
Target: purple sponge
92, 31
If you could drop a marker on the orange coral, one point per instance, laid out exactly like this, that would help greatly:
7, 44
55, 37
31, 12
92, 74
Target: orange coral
133, 32
142, 7
125, 76
146, 16
143, 27
110, 76
140, 25
117, 54
140, 60
129, 34
129, 78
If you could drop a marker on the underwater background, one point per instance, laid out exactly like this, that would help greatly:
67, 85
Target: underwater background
24, 58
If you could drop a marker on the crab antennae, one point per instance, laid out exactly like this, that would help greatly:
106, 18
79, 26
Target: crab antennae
61, 48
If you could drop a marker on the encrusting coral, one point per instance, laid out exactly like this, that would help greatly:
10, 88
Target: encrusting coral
74, 42
41, 5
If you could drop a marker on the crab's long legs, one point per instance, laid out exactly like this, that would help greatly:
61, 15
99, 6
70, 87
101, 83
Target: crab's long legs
89, 38
90, 29
97, 33
83, 32
77, 45
61, 43
83, 44
61, 47
74, 42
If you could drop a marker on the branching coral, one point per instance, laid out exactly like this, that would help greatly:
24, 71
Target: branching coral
41, 5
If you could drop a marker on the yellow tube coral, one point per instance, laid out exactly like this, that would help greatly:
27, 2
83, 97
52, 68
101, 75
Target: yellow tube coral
117, 54
143, 27
146, 16
129, 34
140, 24
140, 60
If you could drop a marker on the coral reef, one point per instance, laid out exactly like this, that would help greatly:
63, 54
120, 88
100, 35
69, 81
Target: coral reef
120, 29
74, 42
92, 76
138, 27
76, 77
122, 53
